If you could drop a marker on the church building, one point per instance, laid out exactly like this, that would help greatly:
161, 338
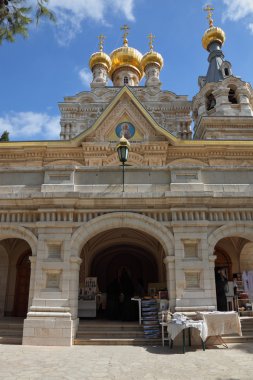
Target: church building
142, 181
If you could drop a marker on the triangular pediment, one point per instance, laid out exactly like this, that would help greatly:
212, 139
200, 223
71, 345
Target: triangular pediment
125, 115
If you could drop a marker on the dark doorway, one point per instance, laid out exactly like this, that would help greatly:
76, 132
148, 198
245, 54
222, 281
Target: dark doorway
22, 285
139, 263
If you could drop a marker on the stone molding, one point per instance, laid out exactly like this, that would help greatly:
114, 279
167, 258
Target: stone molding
34, 158
78, 217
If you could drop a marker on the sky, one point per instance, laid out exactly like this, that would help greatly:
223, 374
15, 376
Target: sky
38, 72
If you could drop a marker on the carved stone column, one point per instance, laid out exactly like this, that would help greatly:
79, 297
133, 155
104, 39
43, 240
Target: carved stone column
169, 262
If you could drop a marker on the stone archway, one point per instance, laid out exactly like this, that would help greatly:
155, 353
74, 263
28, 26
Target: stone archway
14, 242
19, 232
228, 240
228, 231
106, 252
125, 220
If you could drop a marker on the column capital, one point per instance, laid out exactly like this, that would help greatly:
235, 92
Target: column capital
212, 258
32, 259
169, 259
75, 260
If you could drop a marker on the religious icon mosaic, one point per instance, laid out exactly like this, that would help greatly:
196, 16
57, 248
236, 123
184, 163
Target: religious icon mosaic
125, 129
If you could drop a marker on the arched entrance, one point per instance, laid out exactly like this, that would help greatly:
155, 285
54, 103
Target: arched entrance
234, 255
109, 254
14, 292
111, 221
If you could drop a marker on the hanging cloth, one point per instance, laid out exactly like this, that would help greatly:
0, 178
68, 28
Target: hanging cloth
250, 284
245, 281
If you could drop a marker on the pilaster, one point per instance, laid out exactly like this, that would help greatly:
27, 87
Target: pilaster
169, 262
49, 320
193, 272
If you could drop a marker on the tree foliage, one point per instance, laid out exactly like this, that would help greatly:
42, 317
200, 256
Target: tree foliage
17, 15
5, 136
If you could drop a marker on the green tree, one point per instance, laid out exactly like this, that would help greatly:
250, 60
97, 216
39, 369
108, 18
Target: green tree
16, 16
5, 136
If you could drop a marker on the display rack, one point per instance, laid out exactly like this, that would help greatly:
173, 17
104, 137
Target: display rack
244, 303
150, 320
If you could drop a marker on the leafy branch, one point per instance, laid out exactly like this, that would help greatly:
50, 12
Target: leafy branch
16, 16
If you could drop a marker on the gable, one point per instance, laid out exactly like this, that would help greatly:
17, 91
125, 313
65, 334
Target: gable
125, 115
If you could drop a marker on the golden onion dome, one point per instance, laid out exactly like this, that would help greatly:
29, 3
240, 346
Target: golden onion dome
100, 58
152, 57
127, 57
213, 34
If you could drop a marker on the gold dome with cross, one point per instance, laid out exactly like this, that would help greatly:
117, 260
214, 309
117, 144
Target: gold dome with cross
126, 57
213, 34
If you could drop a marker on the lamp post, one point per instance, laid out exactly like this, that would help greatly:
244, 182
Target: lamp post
123, 149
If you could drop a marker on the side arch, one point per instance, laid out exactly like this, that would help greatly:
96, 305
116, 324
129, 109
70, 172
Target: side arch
4, 268
19, 232
122, 220
228, 231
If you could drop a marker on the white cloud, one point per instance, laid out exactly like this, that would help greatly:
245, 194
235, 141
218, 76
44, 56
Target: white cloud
71, 13
250, 27
86, 76
30, 126
238, 9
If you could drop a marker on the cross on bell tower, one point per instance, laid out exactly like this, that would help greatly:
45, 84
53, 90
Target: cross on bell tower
209, 11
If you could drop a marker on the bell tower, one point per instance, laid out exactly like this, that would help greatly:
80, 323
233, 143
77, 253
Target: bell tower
224, 101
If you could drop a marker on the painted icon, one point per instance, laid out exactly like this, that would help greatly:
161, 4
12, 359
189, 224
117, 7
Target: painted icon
125, 129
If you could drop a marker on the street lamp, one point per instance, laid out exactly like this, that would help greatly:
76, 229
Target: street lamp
123, 149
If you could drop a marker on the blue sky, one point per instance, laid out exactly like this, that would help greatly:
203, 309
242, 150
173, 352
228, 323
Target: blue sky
36, 73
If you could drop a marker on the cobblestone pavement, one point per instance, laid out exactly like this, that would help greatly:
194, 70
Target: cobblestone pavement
125, 363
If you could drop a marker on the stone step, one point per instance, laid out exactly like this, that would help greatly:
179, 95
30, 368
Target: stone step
11, 333
10, 339
117, 342
109, 329
111, 336
10, 326
238, 339
110, 332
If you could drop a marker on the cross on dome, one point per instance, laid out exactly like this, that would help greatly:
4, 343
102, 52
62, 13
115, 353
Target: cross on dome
151, 38
209, 11
125, 34
101, 39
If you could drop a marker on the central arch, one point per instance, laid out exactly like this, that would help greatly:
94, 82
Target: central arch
148, 229
118, 257
124, 220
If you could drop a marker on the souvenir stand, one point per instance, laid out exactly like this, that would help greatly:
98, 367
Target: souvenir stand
150, 318
243, 285
87, 299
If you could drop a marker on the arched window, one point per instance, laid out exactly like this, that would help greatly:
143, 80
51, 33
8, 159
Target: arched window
232, 97
226, 71
125, 80
210, 102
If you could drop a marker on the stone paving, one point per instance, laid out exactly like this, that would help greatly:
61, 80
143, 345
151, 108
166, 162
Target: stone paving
126, 363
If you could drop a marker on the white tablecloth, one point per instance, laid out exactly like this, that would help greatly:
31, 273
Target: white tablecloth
221, 323
175, 328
